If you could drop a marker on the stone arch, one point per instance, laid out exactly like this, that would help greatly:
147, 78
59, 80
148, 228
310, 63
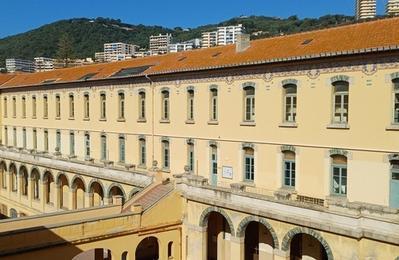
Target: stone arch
59, 174
92, 181
285, 245
4, 165
133, 192
244, 223
74, 178
148, 248
116, 185
203, 221
35, 169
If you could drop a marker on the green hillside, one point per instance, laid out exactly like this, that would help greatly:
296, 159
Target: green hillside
89, 35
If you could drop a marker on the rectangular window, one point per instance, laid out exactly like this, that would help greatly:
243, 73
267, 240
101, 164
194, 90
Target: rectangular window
142, 105
103, 104
45, 106
249, 164
142, 152
165, 155
290, 103
190, 157
339, 186
214, 105
14, 107
14, 137
23, 107
6, 136
122, 149
24, 138
86, 106
104, 148
289, 173
121, 97
190, 105
396, 107
214, 160
249, 103
45, 145
58, 141
34, 138
341, 102
57, 106
87, 145
71, 106
5, 108
34, 112
165, 105
72, 143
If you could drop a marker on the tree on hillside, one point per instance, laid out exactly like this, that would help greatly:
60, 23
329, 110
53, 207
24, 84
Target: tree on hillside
65, 49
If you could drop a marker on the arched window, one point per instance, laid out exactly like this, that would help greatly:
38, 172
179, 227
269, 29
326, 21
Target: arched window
24, 138
249, 103
34, 138
14, 107
142, 152
122, 149
214, 163
71, 106
103, 106
14, 138
5, 109
165, 105
58, 141
170, 249
23, 107
104, 151
86, 106
165, 154
214, 104
6, 135
34, 104
190, 104
341, 102
339, 175
289, 169
249, 164
45, 143
57, 106
87, 145
396, 101
121, 100
190, 156
71, 143
45, 106
142, 105
290, 97
36, 179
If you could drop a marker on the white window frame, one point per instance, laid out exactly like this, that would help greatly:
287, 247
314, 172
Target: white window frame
342, 95
249, 104
165, 105
251, 165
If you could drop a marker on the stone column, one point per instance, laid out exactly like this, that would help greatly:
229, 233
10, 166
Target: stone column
71, 199
30, 190
88, 199
197, 242
281, 255
9, 188
57, 197
43, 195
237, 247
19, 186
107, 200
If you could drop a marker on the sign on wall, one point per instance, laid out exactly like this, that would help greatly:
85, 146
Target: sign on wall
227, 172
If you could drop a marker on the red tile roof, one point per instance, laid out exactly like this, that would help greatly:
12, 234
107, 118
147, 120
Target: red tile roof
364, 37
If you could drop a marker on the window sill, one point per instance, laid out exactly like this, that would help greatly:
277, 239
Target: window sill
248, 123
86, 119
288, 125
102, 119
142, 166
58, 118
249, 183
338, 126
141, 120
164, 121
71, 118
190, 122
167, 170
121, 120
392, 127
212, 122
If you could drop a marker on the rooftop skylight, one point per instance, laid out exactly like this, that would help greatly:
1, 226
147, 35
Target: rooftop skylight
126, 72
88, 76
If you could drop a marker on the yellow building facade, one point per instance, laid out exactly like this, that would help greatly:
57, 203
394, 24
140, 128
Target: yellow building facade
283, 148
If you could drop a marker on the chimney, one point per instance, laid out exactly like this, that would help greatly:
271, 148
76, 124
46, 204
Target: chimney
242, 43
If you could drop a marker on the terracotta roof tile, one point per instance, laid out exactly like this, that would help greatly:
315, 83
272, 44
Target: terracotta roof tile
360, 37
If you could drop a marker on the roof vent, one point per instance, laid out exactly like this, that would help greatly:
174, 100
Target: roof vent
243, 42
307, 41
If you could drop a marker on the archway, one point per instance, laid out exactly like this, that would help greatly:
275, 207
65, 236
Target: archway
79, 190
97, 194
23, 173
148, 249
306, 243
258, 242
64, 191
35, 176
3, 172
13, 213
14, 179
49, 187
94, 254
116, 191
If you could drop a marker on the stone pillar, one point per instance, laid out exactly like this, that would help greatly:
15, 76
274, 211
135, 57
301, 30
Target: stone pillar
281, 255
197, 243
30, 190
71, 200
107, 200
19, 186
88, 199
57, 197
9, 188
237, 247
43, 194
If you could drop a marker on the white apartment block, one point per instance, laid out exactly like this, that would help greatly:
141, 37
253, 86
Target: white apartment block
159, 43
392, 7
209, 39
43, 64
14, 65
99, 56
178, 47
118, 51
366, 9
228, 34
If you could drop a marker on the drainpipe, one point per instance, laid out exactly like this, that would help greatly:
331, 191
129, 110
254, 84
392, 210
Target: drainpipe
152, 115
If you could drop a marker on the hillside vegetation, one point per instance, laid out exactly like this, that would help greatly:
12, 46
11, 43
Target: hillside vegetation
89, 35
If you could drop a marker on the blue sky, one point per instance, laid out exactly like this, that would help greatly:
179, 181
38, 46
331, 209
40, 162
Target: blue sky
18, 16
